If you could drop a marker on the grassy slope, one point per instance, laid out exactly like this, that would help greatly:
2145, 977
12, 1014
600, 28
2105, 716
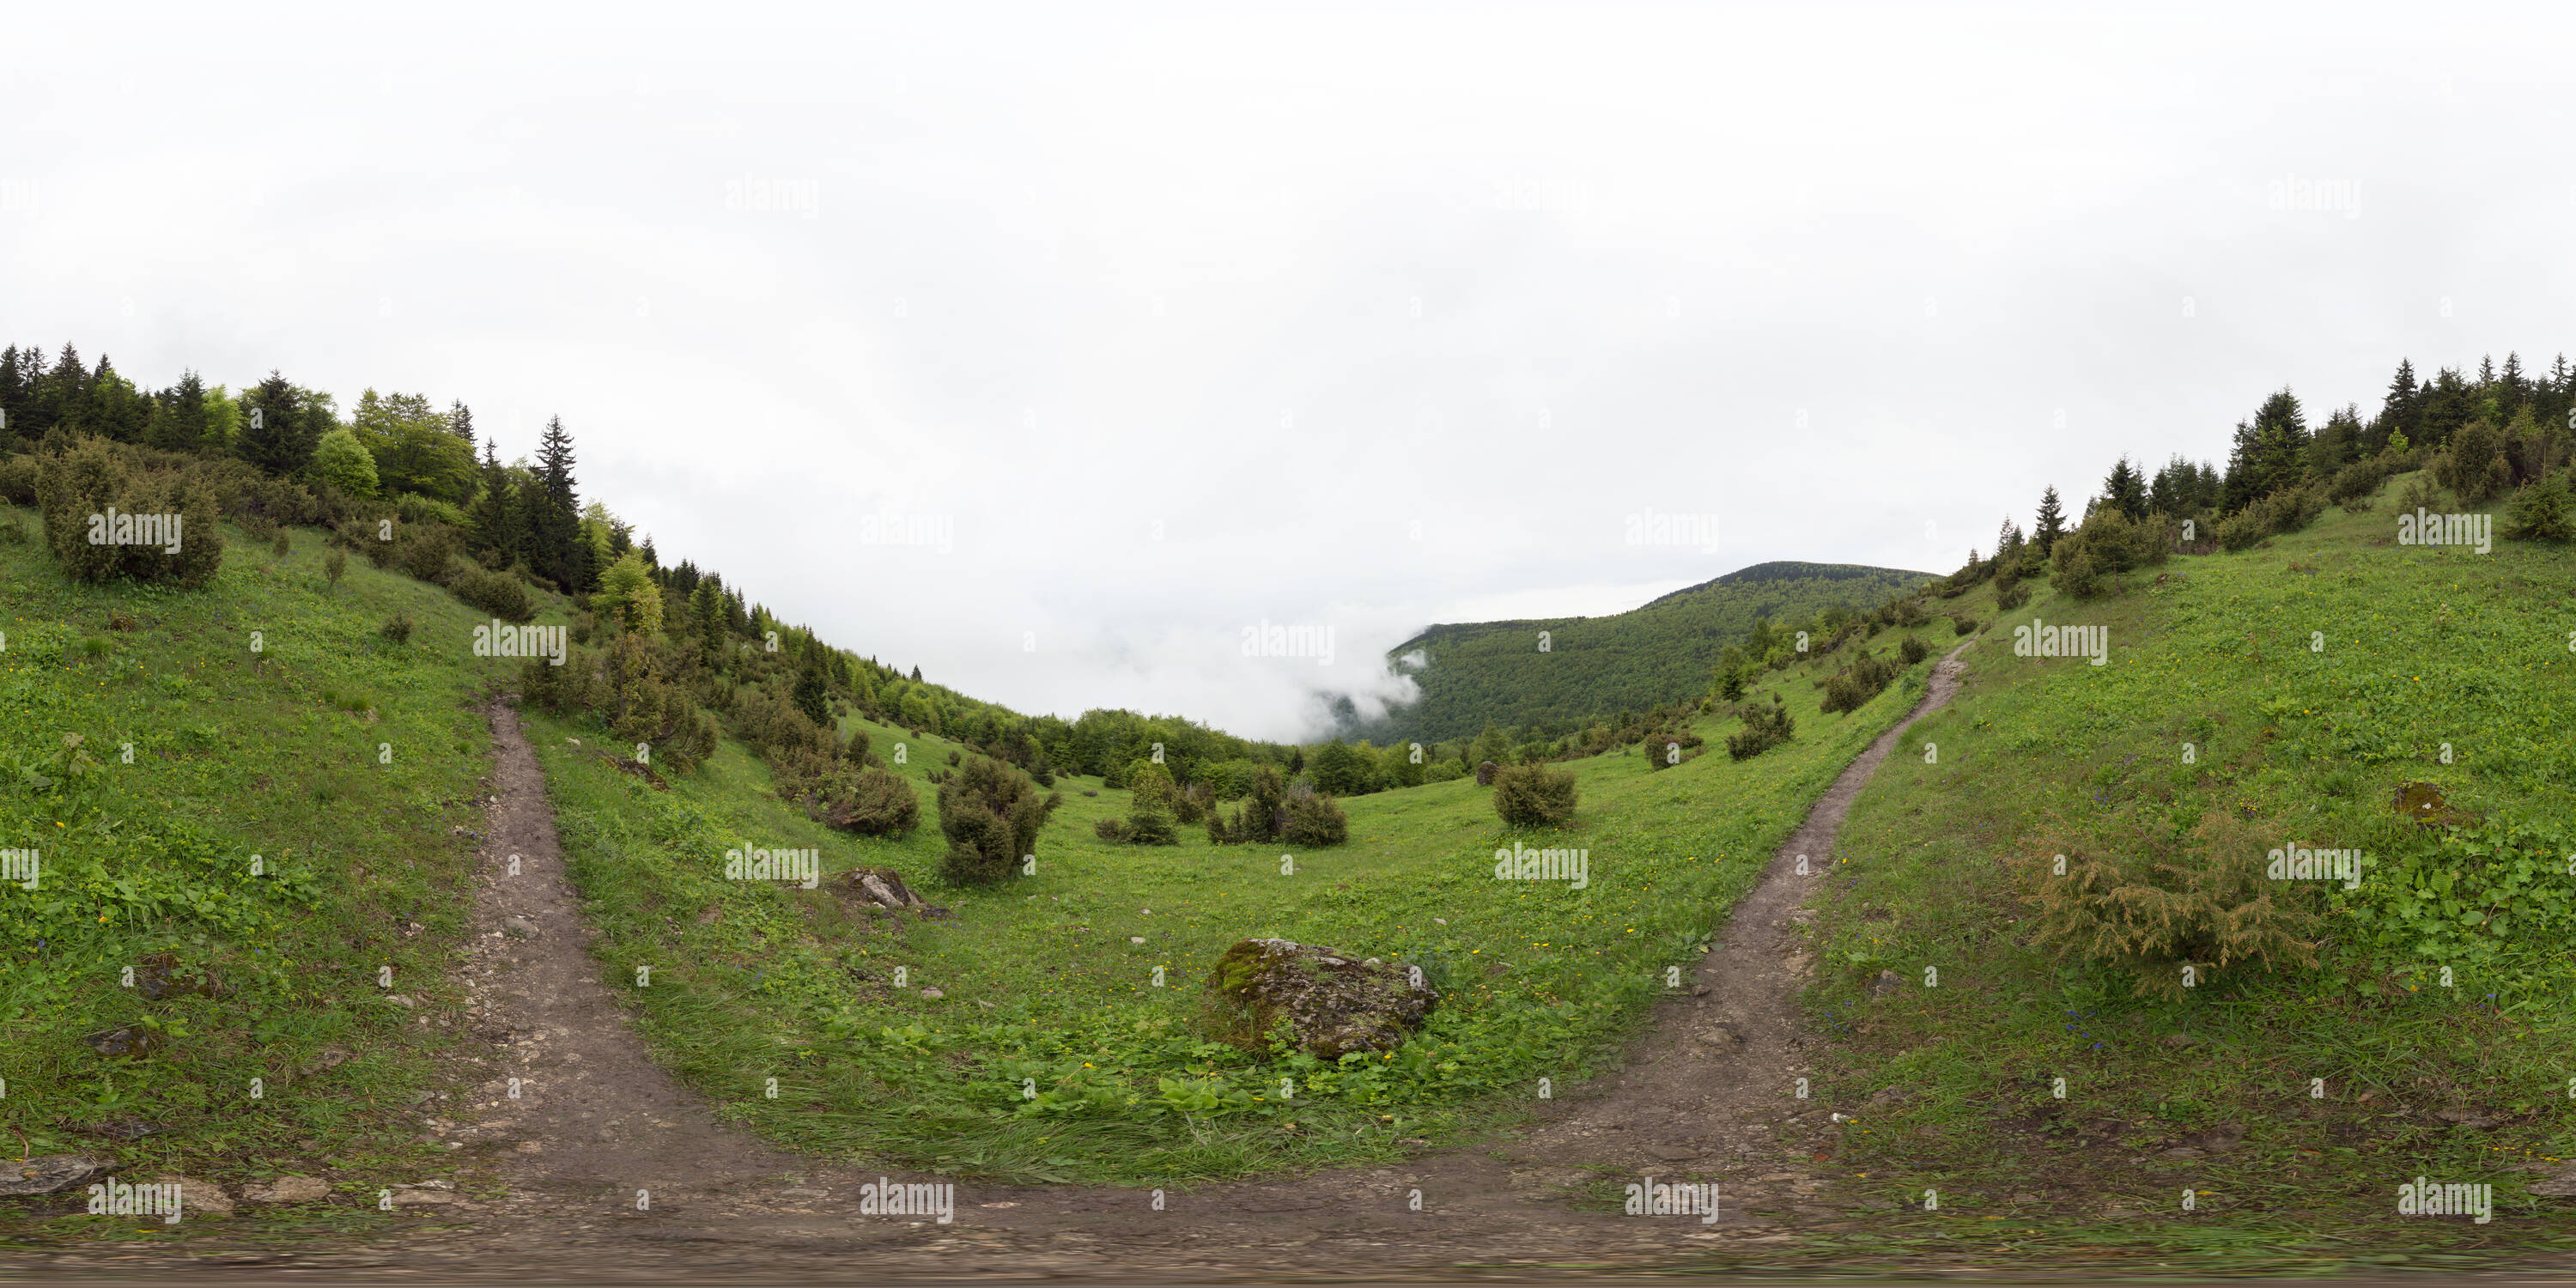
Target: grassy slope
2423, 647
1044, 987
1492, 672
235, 754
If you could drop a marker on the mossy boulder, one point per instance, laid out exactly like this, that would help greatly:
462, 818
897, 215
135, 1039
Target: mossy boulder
1329, 1003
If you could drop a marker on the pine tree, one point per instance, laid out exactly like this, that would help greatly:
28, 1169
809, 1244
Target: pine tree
2050, 523
460, 421
15, 377
274, 427
916, 675
58, 397
554, 524
2125, 490
495, 514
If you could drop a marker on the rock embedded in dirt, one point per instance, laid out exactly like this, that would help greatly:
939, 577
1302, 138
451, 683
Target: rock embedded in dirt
161, 975
198, 1198
519, 928
1331, 1002
1888, 981
50, 1173
124, 1040
290, 1189
876, 887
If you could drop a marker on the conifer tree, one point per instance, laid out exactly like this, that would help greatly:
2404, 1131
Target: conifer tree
14, 378
495, 513
556, 549
2125, 490
2050, 523
274, 427
460, 421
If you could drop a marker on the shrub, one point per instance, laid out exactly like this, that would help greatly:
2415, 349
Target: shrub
875, 803
991, 816
497, 593
13, 533
1534, 796
1263, 814
2011, 596
1765, 727
397, 628
2468, 468
2147, 902
76, 492
2543, 512
340, 460
1113, 830
1152, 827
1913, 650
2088, 561
18, 473
1313, 819
336, 566
1852, 689
425, 551
1964, 626
2355, 485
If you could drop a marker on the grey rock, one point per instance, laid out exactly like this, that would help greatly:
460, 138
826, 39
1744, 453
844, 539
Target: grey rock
50, 1173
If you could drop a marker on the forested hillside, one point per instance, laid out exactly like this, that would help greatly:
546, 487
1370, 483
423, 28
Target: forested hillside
1503, 673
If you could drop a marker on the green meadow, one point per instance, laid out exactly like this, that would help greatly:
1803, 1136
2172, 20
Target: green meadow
153, 758
1062, 1042
2311, 679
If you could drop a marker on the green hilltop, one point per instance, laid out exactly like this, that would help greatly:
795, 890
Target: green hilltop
1479, 673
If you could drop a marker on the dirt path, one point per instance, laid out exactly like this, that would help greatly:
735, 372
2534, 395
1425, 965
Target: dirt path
1706, 1094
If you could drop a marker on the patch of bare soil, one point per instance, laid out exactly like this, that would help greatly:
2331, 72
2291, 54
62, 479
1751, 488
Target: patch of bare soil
1704, 1095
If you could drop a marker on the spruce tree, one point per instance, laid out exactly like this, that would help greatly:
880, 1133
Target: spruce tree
57, 397
14, 378
2050, 523
554, 524
495, 514
460, 421
2125, 490
274, 427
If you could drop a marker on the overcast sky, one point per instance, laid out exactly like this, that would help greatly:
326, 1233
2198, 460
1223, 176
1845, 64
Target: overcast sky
1161, 323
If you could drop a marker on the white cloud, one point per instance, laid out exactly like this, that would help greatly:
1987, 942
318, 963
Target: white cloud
1511, 274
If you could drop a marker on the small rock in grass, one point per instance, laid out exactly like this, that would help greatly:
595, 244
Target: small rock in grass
49, 1174
932, 994
198, 1198
290, 1189
1888, 981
